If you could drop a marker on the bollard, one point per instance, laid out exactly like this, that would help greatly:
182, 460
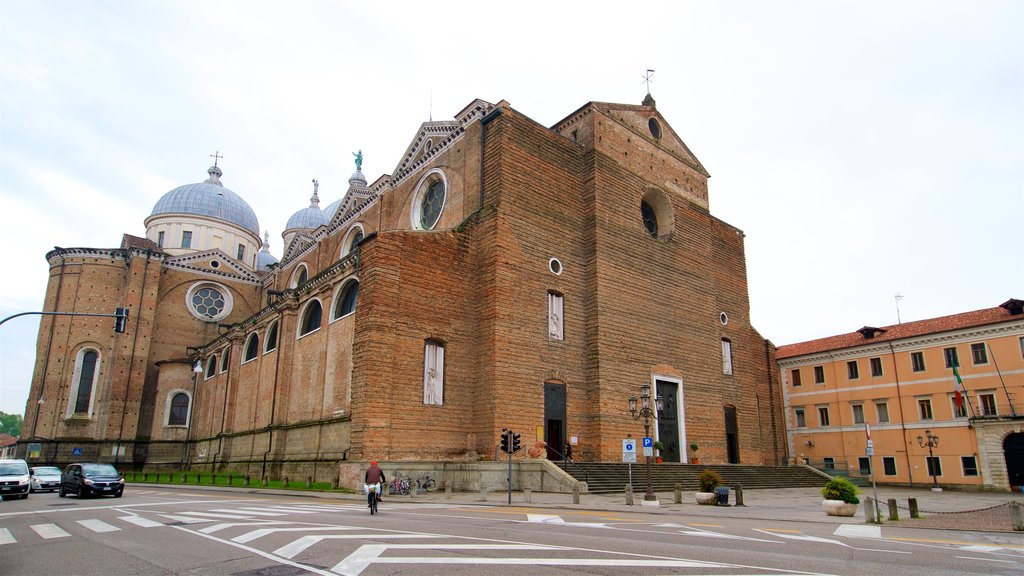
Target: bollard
414, 487
334, 484
869, 510
448, 489
629, 494
915, 512
739, 495
264, 481
894, 513
246, 480
1017, 516
679, 493
576, 493
483, 494
184, 478
527, 495
309, 481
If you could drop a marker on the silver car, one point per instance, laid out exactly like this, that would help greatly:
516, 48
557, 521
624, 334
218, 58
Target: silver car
44, 478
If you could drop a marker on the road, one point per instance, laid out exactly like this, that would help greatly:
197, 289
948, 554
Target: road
191, 531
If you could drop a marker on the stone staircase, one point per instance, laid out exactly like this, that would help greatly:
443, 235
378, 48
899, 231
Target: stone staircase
612, 477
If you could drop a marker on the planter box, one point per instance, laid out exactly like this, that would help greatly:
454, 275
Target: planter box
838, 508
709, 498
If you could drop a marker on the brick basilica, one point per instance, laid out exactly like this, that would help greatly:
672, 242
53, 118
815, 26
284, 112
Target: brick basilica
505, 274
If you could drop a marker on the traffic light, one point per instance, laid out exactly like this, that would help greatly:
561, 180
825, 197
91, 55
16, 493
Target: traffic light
504, 439
120, 319
515, 442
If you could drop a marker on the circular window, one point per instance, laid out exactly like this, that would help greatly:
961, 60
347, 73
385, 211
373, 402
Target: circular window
650, 218
214, 263
209, 302
555, 266
430, 207
654, 127
724, 318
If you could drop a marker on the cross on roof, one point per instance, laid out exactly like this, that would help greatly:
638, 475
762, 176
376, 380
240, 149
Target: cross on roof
647, 79
216, 156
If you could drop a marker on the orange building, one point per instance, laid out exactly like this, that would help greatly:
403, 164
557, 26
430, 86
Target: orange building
941, 399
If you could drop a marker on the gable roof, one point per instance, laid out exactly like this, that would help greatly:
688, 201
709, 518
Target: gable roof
1005, 312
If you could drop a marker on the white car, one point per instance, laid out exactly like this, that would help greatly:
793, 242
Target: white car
14, 477
44, 478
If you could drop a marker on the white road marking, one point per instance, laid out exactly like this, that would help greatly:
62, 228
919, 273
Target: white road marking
859, 531
258, 552
709, 534
218, 515
140, 521
250, 536
290, 550
276, 509
552, 519
980, 548
985, 559
249, 512
48, 531
802, 537
6, 537
219, 527
98, 525
359, 560
186, 519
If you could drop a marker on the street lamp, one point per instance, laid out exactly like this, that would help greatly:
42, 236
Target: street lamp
39, 406
930, 441
197, 369
646, 412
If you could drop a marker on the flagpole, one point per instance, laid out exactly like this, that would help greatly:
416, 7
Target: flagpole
1013, 410
959, 382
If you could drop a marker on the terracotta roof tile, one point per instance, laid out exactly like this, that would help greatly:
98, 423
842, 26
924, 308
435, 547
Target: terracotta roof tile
129, 241
983, 317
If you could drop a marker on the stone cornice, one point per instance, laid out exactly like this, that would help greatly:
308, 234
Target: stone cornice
237, 273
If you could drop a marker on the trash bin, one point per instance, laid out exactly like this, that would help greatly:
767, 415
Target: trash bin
723, 495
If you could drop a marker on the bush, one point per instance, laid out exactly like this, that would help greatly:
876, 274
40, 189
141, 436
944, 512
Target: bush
709, 480
840, 489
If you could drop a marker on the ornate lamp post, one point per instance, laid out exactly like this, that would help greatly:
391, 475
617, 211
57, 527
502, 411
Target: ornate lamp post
645, 411
197, 369
930, 441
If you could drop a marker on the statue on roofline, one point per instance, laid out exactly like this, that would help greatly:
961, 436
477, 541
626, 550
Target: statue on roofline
359, 160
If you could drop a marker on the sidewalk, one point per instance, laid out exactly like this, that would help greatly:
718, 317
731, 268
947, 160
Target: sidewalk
949, 510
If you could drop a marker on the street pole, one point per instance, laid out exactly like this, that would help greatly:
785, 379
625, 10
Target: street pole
645, 411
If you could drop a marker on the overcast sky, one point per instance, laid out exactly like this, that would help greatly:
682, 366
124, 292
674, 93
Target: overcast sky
865, 148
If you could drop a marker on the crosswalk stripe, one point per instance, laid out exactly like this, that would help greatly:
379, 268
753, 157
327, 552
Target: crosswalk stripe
249, 536
218, 515
48, 531
140, 521
186, 519
219, 527
275, 509
256, 512
5, 536
98, 525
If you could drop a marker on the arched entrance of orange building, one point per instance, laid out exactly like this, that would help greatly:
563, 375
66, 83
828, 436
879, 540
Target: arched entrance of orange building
1013, 451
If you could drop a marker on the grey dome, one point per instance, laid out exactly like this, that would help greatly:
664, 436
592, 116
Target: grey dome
209, 198
310, 217
331, 209
264, 259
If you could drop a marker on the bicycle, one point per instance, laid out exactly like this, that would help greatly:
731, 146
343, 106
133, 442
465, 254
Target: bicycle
399, 485
371, 497
425, 483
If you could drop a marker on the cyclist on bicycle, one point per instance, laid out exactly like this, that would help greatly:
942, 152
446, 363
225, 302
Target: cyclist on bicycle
375, 476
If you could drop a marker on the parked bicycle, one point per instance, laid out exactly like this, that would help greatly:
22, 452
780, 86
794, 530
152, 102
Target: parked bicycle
399, 484
425, 483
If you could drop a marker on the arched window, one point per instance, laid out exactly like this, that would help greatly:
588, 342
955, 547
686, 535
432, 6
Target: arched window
86, 372
311, 317
177, 414
656, 214
211, 367
433, 372
346, 302
726, 356
300, 277
355, 236
225, 359
252, 347
356, 239
271, 340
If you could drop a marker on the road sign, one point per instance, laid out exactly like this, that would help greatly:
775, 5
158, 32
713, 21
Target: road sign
629, 450
76, 451
870, 450
648, 442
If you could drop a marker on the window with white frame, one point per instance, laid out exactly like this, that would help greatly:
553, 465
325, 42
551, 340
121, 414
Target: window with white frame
178, 403
823, 416
801, 419
882, 411
225, 359
794, 376
433, 373
987, 404
889, 465
924, 408
970, 465
726, 356
917, 361
252, 347
211, 367
852, 370
952, 358
864, 465
311, 317
819, 374
270, 342
979, 354
858, 413
959, 409
84, 378
556, 309
876, 367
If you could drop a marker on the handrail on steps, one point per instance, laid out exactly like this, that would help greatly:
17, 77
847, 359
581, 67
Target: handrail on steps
566, 462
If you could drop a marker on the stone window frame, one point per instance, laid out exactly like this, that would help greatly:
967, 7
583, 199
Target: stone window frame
889, 466
794, 377
186, 239
211, 367
878, 411
727, 366
852, 370
983, 406
356, 233
225, 293
964, 468
252, 348
422, 188
925, 410
169, 403
799, 417
951, 356
342, 291
979, 353
933, 463
303, 330
824, 420
917, 363
270, 344
556, 315
957, 413
819, 374
660, 204
300, 275
225, 359
76, 382
877, 370
433, 371
857, 413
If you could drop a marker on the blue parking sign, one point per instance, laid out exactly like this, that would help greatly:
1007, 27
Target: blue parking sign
648, 442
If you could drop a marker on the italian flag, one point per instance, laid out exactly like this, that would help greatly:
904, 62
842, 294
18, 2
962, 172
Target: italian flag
958, 388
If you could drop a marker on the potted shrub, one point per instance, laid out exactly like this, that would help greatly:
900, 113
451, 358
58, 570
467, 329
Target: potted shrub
840, 497
694, 448
708, 480
658, 447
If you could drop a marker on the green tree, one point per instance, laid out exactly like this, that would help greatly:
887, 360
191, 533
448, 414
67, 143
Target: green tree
11, 424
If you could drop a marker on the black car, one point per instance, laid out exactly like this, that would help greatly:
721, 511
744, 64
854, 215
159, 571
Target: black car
91, 479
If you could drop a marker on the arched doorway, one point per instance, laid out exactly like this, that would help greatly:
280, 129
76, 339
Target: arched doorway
1013, 450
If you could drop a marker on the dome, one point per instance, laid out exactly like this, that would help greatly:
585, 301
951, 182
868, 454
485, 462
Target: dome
331, 209
309, 217
209, 198
265, 259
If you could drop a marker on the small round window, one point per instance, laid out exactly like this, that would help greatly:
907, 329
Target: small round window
654, 127
209, 302
724, 318
555, 266
650, 218
214, 263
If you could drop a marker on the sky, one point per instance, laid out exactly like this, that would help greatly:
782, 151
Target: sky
866, 149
